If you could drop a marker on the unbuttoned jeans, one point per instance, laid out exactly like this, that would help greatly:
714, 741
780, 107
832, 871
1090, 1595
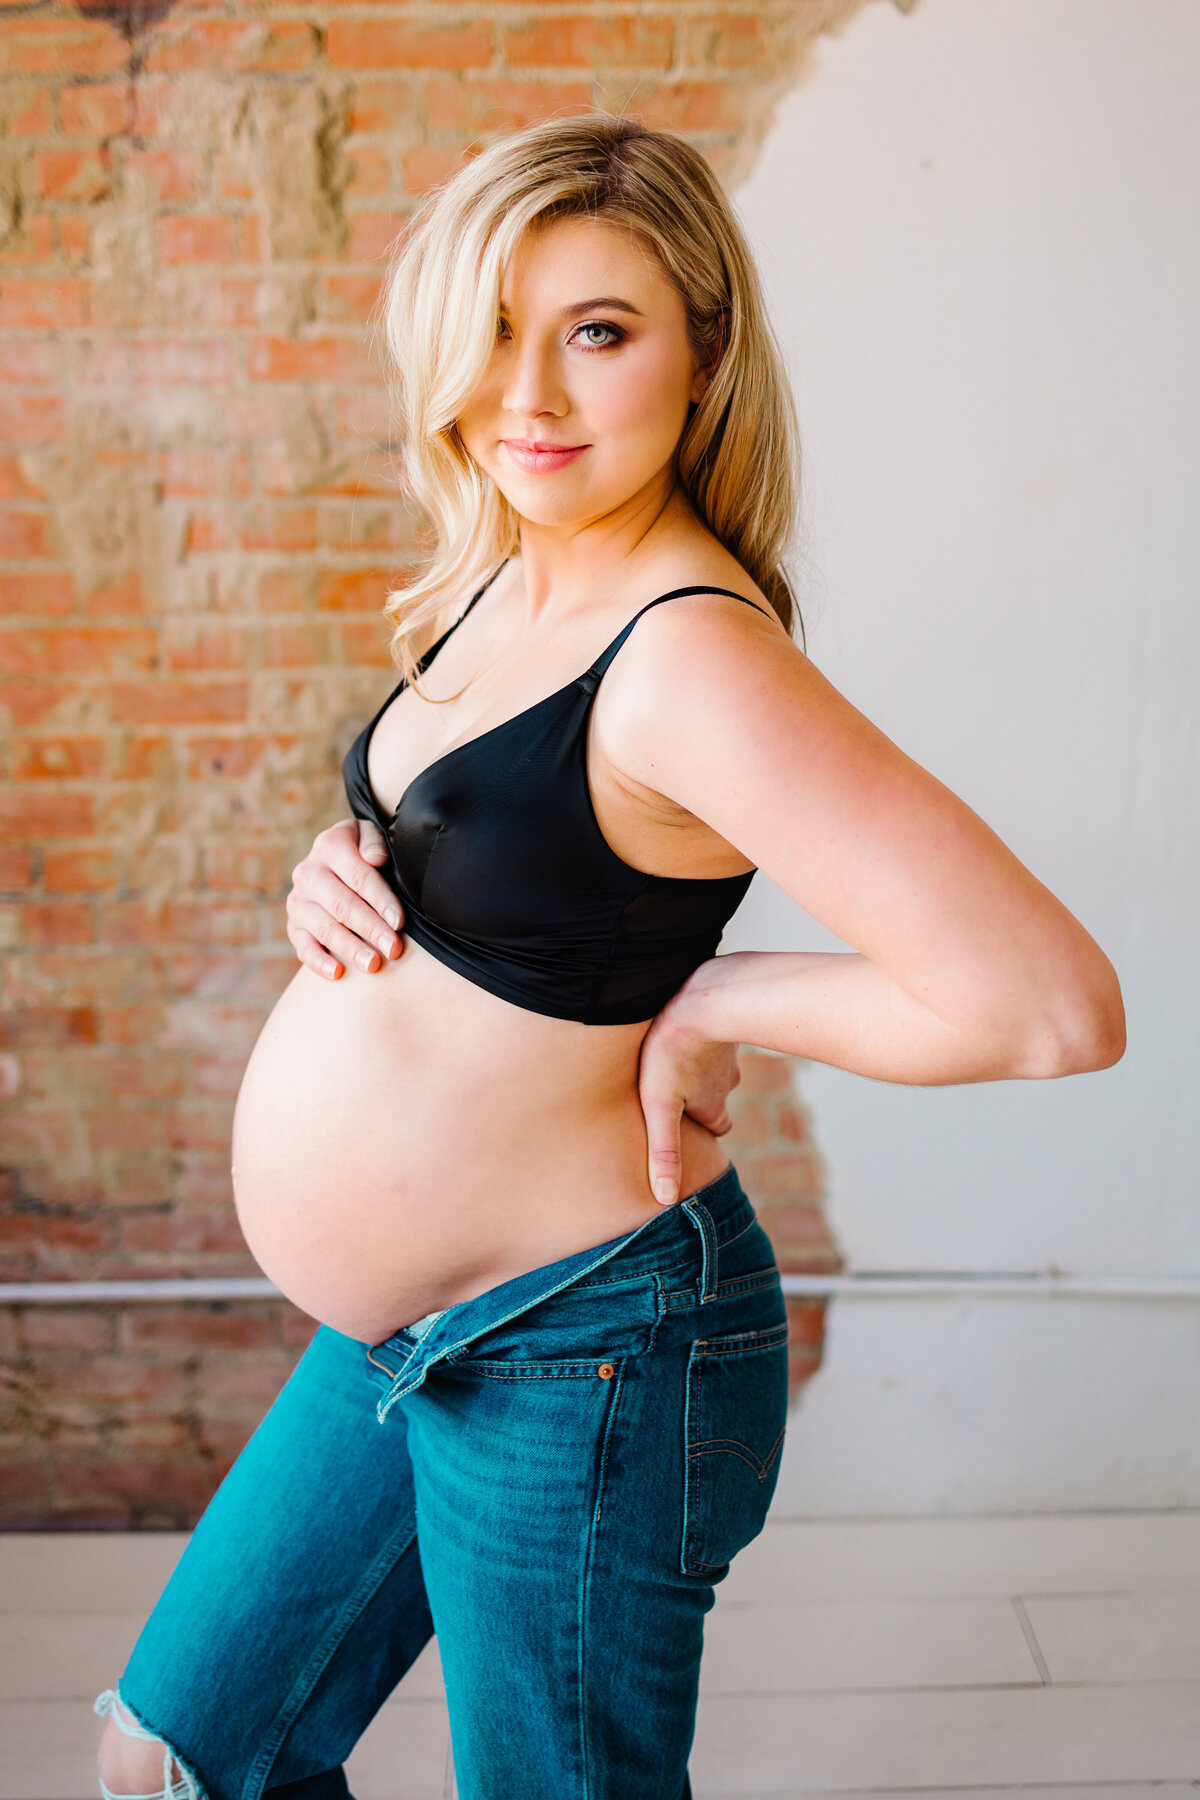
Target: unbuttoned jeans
551, 1476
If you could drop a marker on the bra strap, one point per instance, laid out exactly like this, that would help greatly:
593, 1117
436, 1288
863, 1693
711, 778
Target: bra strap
602, 661
451, 629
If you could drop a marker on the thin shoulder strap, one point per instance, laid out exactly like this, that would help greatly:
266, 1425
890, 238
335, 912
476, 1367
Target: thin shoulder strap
451, 629
602, 661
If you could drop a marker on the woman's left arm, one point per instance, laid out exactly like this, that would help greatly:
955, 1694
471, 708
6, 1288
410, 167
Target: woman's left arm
965, 967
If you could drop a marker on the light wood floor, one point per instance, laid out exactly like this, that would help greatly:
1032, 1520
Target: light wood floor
1052, 1657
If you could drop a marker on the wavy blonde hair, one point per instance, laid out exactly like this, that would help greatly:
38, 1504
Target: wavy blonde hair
738, 458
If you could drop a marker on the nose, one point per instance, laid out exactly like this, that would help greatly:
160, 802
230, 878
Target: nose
532, 381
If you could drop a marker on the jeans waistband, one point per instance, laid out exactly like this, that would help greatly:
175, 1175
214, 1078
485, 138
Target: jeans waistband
693, 1229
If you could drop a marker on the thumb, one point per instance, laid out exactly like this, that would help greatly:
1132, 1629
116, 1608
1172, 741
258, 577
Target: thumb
662, 1132
372, 845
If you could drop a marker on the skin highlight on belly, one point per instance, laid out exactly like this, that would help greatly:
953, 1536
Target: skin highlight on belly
405, 1140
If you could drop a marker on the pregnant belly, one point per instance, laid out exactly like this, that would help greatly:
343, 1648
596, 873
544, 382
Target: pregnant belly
405, 1140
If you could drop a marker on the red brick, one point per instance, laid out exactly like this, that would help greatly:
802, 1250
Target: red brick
231, 758
16, 870
280, 526
70, 175
172, 176
364, 643
125, 1128
370, 172
36, 593
57, 758
49, 1025
195, 238
492, 104
248, 868
581, 41
693, 106
28, 360
39, 815
58, 301
192, 1326
37, 118
430, 164
227, 47
22, 1232
329, 358
57, 46
81, 871
206, 644
23, 532
36, 244
14, 482
97, 110
54, 923
352, 590
382, 105
390, 43
30, 418
372, 235
177, 702
78, 650
737, 41
348, 297
65, 1328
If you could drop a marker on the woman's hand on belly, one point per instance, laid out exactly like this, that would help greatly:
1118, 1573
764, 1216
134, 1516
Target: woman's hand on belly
340, 909
681, 1072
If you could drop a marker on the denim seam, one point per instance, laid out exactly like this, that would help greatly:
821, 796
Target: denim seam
685, 1262
735, 1447
323, 1655
575, 1370
740, 1343
678, 1299
390, 1399
585, 1586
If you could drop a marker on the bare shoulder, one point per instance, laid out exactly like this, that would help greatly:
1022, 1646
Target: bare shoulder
698, 664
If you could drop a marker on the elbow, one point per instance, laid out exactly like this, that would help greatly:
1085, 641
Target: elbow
1082, 1032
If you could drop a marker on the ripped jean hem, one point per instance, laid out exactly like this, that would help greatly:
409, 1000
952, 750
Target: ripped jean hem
186, 1786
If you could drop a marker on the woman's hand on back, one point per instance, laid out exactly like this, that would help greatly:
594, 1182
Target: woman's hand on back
340, 909
681, 1071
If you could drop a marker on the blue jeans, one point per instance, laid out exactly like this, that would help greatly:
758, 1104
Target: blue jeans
551, 1476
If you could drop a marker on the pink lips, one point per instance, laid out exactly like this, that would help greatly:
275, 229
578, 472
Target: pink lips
541, 459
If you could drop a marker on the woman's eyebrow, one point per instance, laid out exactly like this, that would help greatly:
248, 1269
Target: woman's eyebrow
609, 300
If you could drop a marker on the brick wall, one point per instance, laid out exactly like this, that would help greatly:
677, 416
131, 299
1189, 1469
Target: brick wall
196, 527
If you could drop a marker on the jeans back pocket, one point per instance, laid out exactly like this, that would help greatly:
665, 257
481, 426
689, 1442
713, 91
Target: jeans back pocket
737, 1402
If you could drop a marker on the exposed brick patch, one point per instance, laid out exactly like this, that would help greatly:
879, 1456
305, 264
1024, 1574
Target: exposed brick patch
197, 528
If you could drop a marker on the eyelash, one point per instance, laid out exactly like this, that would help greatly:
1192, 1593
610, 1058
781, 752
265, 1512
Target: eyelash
616, 335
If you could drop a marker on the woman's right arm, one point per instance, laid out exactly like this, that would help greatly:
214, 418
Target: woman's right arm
340, 908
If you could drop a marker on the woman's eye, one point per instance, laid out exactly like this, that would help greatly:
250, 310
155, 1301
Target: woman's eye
597, 335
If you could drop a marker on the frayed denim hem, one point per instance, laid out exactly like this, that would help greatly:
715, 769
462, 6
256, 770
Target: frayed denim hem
185, 1787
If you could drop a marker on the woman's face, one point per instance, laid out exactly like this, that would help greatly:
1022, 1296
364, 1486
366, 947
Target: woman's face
586, 396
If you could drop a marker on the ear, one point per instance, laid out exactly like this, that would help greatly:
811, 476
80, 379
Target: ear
709, 363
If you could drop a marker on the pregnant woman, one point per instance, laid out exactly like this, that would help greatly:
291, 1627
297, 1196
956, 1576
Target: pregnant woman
478, 1138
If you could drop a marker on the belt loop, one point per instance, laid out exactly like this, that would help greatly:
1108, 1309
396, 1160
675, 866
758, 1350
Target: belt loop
701, 1218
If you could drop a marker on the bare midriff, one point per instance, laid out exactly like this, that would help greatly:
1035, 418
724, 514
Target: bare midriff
405, 1140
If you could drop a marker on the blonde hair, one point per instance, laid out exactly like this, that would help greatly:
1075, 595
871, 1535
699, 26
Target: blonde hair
738, 458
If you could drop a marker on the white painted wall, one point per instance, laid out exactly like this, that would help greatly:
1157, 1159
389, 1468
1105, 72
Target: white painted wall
980, 225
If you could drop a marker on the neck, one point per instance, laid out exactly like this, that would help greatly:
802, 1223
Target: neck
570, 565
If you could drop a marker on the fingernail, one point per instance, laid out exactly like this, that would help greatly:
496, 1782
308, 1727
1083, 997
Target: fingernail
392, 917
364, 959
664, 1191
385, 946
